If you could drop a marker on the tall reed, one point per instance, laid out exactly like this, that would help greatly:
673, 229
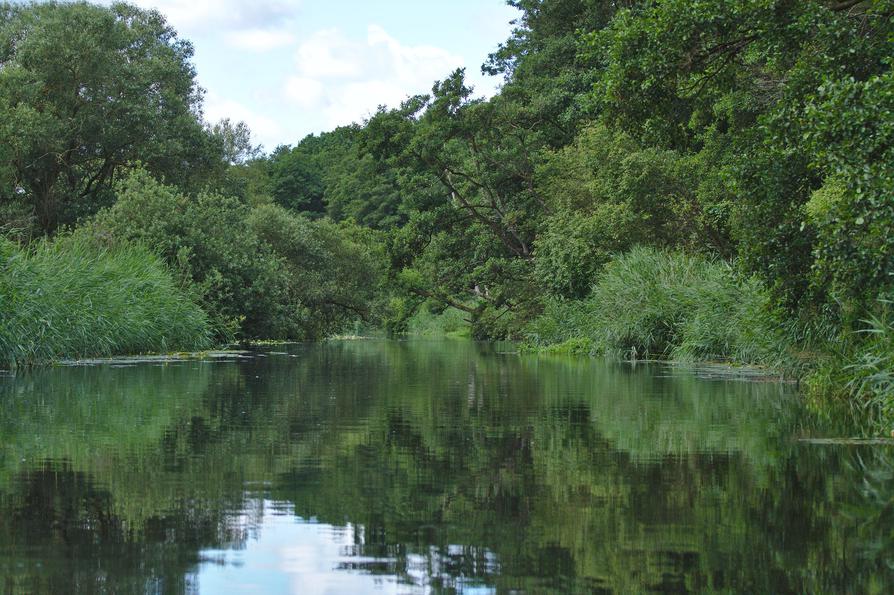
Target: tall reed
69, 298
870, 374
650, 303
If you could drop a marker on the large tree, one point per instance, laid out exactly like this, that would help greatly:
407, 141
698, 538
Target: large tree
84, 90
786, 107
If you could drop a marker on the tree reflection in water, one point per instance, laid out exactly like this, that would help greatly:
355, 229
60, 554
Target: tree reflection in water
429, 466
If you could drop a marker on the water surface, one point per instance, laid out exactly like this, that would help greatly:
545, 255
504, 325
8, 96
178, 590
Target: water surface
429, 466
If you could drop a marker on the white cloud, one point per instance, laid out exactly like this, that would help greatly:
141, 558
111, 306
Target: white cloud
329, 54
192, 16
356, 101
307, 93
259, 40
348, 79
313, 82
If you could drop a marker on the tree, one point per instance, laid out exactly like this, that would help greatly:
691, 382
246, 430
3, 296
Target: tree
467, 184
296, 179
547, 77
86, 89
775, 100
850, 131
235, 141
260, 272
605, 194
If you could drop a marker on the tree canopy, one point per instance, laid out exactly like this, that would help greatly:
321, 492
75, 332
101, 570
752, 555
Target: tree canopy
84, 90
756, 133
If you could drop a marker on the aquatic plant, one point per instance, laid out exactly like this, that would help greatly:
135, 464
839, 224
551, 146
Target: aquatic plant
651, 303
69, 298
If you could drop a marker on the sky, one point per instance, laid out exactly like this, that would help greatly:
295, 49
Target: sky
289, 68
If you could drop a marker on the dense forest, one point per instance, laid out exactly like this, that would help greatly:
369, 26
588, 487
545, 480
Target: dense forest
655, 179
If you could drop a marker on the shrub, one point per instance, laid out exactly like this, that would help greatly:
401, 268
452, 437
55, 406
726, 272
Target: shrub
260, 273
334, 271
563, 320
241, 283
605, 194
429, 321
70, 298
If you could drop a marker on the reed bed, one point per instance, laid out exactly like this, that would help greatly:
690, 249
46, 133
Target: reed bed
650, 303
70, 298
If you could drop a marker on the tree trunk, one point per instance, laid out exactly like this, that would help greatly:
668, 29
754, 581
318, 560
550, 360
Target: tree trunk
46, 206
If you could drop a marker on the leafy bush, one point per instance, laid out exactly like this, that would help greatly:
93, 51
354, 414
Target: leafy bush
70, 298
335, 272
429, 321
239, 281
607, 194
261, 273
851, 133
574, 246
563, 320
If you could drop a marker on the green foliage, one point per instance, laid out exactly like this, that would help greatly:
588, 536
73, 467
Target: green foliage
335, 272
263, 272
237, 278
773, 100
296, 179
249, 181
851, 134
360, 190
430, 321
331, 174
650, 303
684, 135
235, 141
468, 190
574, 246
547, 78
606, 194
861, 373
85, 89
16, 220
69, 298
563, 321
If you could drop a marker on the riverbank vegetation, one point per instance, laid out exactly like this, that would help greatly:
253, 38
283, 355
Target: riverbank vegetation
66, 298
653, 304
674, 179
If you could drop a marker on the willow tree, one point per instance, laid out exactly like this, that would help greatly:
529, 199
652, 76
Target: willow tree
84, 90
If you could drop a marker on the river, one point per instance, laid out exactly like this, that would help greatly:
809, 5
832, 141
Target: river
429, 466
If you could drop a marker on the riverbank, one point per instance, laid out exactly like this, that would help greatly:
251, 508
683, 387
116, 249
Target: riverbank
650, 304
69, 299
857, 385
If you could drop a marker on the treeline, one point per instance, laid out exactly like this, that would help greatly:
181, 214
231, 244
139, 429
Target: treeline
130, 223
703, 180
710, 180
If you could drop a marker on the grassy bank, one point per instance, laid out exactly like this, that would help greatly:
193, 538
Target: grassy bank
448, 322
650, 304
666, 305
68, 298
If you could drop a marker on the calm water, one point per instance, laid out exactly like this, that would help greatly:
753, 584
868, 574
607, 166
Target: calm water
405, 467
